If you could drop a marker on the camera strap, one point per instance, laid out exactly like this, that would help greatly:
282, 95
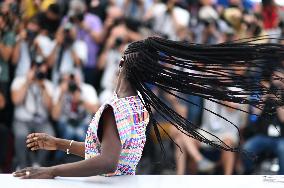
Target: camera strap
59, 59
31, 52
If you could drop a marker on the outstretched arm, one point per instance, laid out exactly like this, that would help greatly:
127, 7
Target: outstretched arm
104, 163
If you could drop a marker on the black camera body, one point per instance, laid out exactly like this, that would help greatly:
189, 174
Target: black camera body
40, 75
38, 61
72, 86
78, 17
31, 35
68, 39
118, 42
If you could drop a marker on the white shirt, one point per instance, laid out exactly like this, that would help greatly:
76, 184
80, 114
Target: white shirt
33, 102
24, 62
164, 22
111, 69
46, 44
215, 124
88, 94
67, 65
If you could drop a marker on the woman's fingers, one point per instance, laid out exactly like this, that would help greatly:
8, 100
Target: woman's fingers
33, 139
32, 135
35, 148
24, 173
18, 172
21, 173
32, 144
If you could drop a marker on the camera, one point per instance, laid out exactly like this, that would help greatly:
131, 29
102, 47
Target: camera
31, 35
40, 75
38, 61
68, 39
118, 41
135, 25
72, 86
76, 17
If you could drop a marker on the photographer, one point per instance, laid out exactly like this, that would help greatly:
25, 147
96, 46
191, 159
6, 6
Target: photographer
134, 9
74, 103
31, 96
7, 41
108, 61
69, 54
267, 130
210, 33
168, 18
89, 29
50, 20
25, 48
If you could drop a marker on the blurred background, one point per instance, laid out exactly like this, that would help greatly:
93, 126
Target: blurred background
59, 61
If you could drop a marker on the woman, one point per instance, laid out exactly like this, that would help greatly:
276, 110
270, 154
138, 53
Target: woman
116, 136
109, 135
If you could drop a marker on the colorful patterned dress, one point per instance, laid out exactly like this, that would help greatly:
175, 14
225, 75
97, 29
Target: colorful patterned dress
131, 119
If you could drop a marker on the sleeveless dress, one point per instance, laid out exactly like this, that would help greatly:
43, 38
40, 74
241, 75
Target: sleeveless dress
131, 119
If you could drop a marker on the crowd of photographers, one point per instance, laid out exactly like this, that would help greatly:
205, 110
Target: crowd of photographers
59, 60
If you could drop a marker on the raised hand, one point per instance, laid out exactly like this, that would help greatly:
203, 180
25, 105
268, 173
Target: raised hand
43, 141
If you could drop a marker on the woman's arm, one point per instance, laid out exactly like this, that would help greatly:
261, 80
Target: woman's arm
104, 163
77, 148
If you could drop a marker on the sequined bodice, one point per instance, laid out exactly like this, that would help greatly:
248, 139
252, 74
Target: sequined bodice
131, 119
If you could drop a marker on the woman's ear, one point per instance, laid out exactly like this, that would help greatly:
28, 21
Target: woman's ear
121, 63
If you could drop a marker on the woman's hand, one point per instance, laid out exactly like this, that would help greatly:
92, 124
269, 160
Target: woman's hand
43, 141
35, 173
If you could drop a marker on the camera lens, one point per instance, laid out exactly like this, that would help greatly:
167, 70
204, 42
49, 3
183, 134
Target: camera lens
72, 86
40, 75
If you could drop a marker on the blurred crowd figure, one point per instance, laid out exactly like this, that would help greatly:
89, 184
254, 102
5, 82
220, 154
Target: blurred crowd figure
59, 61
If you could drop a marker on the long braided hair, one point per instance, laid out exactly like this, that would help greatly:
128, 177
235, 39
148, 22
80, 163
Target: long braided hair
164, 64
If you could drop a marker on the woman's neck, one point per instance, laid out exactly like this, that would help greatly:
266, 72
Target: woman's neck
124, 88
